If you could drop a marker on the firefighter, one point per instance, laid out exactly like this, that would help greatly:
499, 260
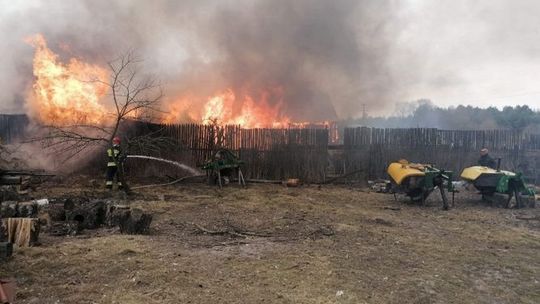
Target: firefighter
486, 160
115, 159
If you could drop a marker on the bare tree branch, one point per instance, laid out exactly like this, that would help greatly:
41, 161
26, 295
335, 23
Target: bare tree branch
131, 94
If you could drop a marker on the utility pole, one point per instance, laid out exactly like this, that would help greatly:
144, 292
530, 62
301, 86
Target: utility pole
364, 112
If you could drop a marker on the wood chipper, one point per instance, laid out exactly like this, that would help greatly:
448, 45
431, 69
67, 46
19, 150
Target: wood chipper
223, 164
417, 181
499, 186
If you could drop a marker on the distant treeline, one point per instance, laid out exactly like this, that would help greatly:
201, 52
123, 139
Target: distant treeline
425, 114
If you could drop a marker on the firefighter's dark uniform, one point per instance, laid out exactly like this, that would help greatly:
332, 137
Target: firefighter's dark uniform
115, 156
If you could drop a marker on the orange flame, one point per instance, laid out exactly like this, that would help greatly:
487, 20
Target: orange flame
65, 94
226, 108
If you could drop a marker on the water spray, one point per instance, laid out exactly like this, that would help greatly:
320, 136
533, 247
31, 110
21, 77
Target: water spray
180, 165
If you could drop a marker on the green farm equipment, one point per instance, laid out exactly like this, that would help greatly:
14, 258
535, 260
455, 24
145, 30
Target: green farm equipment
224, 164
417, 181
500, 186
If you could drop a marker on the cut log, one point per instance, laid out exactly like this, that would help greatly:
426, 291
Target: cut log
27, 209
90, 215
22, 232
8, 209
18, 209
134, 221
56, 212
115, 214
64, 228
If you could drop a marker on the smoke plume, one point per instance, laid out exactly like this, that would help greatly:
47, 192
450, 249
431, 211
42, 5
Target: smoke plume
321, 59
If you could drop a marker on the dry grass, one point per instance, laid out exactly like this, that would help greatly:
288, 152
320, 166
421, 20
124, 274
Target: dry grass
333, 245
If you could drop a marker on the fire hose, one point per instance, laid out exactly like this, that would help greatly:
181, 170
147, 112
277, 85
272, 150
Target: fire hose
191, 170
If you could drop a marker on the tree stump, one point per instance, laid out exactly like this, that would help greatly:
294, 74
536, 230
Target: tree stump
134, 221
116, 214
90, 215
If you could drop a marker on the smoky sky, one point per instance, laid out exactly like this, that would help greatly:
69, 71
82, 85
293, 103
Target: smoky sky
329, 58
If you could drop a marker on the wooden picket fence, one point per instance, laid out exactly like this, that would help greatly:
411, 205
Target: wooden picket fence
306, 153
372, 149
268, 153
429, 137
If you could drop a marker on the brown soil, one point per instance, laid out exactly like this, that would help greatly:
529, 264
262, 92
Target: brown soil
271, 244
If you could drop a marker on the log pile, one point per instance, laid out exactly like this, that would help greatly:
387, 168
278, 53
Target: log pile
66, 217
18, 209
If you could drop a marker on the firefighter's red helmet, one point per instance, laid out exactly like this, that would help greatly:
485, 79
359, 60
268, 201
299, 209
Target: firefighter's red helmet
116, 140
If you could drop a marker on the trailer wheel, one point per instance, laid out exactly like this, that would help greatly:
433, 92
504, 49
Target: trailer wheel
528, 201
419, 197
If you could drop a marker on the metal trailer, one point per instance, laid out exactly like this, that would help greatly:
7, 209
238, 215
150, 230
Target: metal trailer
418, 181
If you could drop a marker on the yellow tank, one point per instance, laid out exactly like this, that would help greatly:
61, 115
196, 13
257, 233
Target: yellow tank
401, 170
472, 173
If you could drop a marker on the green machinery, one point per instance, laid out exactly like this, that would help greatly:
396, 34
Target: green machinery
223, 164
417, 181
500, 186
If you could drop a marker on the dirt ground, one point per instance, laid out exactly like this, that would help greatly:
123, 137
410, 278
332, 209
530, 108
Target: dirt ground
272, 244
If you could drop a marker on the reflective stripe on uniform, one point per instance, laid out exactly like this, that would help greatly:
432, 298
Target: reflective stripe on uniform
111, 162
109, 183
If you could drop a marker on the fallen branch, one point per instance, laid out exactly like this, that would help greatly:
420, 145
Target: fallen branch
527, 217
264, 181
233, 232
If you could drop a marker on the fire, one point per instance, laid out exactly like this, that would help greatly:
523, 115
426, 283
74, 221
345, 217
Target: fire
65, 94
226, 108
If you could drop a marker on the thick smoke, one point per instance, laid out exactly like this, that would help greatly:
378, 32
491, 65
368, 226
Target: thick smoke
326, 57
